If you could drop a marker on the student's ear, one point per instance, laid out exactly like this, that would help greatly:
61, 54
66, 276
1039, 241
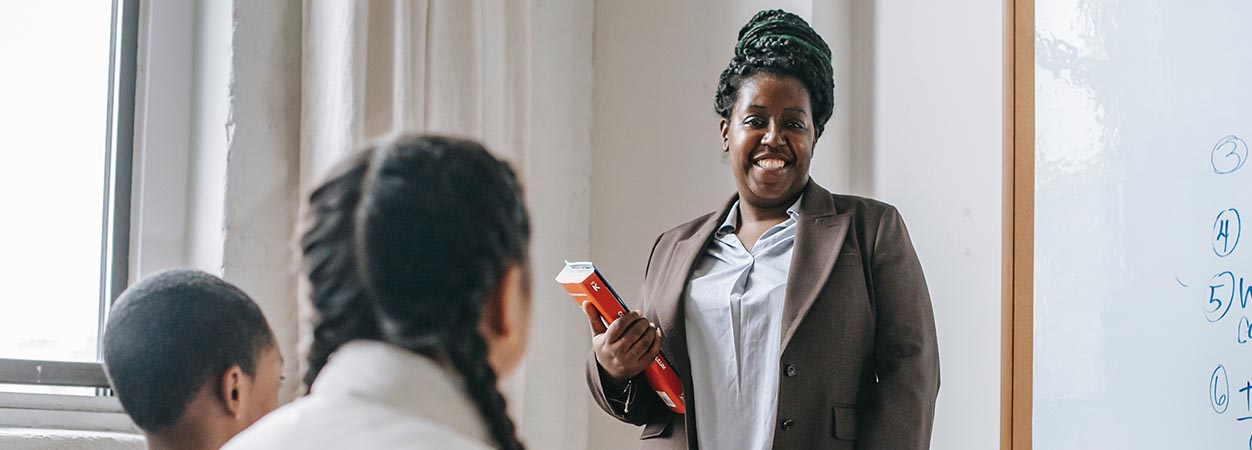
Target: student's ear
234, 391
502, 315
506, 321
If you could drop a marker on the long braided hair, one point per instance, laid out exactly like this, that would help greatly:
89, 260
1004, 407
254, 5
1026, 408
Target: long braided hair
780, 43
404, 243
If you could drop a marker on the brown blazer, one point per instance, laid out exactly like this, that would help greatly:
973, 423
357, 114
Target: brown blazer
859, 356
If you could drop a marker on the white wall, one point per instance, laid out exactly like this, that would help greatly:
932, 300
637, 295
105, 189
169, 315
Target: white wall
245, 137
262, 172
555, 407
917, 123
937, 156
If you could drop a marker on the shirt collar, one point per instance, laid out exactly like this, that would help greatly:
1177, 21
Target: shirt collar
731, 223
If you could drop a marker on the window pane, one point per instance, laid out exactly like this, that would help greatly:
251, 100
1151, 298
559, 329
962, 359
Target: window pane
53, 115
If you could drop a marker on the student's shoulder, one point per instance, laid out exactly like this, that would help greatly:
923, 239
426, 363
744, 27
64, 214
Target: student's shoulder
286, 427
313, 424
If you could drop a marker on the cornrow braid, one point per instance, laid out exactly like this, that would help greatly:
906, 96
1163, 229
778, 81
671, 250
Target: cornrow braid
780, 43
344, 311
469, 357
437, 224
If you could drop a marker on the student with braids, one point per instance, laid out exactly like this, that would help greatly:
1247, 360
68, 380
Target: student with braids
415, 250
797, 318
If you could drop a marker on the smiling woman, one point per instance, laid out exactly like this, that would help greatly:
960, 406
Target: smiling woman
769, 137
796, 317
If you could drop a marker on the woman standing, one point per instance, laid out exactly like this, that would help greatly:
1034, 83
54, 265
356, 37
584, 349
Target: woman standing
796, 317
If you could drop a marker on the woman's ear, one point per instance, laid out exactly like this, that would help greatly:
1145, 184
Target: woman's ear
233, 393
725, 127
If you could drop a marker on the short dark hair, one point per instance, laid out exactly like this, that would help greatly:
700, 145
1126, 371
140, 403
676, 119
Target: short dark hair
780, 43
171, 333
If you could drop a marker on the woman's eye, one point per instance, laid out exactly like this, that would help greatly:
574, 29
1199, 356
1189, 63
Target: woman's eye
796, 125
753, 121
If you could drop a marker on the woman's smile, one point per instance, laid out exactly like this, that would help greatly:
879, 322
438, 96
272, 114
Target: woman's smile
771, 170
770, 163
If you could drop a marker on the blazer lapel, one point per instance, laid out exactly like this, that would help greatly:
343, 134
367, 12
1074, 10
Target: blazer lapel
819, 238
669, 302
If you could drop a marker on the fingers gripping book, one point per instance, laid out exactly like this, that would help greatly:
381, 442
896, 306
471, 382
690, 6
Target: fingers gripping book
583, 282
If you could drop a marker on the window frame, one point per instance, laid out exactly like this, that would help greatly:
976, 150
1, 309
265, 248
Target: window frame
64, 412
119, 152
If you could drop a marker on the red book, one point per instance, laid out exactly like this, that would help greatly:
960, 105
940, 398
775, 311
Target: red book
584, 282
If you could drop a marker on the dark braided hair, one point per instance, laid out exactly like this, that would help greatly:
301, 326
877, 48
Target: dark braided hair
780, 43
405, 243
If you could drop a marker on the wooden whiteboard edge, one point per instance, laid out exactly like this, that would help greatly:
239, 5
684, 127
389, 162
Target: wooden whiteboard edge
1017, 368
1006, 235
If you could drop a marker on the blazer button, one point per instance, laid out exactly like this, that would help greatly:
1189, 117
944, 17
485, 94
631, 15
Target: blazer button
791, 370
788, 424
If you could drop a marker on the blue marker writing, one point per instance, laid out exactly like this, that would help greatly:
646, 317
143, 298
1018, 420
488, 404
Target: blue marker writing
1219, 390
1217, 307
1226, 232
1229, 155
1244, 332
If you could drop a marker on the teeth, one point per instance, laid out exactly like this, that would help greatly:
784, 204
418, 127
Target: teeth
770, 163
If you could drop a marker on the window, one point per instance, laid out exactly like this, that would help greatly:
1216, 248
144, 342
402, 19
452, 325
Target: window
66, 117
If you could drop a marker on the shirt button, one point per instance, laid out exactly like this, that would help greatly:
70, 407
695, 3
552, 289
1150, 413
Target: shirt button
788, 424
790, 370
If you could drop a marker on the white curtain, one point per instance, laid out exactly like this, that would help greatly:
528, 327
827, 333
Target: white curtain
452, 67
463, 67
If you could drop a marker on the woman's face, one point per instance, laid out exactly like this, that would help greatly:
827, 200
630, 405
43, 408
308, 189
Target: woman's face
769, 137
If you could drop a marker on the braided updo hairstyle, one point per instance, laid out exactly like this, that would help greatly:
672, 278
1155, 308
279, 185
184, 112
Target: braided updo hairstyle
404, 243
780, 43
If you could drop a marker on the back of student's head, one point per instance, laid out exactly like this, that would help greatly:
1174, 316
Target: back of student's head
405, 243
173, 333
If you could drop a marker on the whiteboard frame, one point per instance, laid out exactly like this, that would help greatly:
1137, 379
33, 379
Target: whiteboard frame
1017, 310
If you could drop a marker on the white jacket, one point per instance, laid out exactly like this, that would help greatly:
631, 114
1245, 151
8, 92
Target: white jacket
373, 395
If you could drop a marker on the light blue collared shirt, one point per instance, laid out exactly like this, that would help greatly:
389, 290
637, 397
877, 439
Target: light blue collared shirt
734, 333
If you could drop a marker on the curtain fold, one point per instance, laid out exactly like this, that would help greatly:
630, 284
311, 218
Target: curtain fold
463, 68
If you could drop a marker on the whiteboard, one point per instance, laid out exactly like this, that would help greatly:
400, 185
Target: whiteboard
1143, 188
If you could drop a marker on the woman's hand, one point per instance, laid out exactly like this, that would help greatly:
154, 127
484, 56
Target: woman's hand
625, 348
